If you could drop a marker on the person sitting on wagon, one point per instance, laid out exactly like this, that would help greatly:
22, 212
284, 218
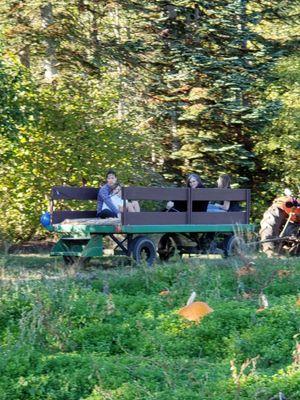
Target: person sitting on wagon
109, 201
224, 182
105, 206
193, 181
116, 198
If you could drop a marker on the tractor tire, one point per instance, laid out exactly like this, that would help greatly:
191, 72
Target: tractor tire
270, 227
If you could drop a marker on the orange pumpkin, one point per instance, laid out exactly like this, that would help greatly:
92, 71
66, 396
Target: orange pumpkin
195, 311
164, 293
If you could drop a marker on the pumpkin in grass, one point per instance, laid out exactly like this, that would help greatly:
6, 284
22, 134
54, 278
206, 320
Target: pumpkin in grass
165, 292
195, 311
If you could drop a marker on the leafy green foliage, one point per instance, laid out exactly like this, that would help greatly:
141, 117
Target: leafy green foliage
282, 137
63, 338
75, 136
154, 89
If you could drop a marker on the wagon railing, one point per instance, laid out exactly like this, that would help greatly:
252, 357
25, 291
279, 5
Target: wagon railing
59, 193
189, 196
184, 195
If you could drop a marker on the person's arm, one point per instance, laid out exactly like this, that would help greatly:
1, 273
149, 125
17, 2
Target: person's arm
180, 205
225, 206
104, 194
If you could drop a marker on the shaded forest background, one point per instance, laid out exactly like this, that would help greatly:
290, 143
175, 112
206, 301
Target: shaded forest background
154, 89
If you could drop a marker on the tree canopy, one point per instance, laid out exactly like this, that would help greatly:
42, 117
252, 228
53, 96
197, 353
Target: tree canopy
152, 89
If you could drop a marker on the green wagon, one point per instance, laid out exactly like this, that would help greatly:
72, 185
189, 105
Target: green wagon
146, 234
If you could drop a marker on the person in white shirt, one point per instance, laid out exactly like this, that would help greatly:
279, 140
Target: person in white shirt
116, 199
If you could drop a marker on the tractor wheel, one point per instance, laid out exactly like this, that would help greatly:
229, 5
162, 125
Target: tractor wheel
270, 228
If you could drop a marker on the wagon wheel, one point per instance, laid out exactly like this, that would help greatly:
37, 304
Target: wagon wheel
166, 247
270, 228
69, 260
233, 246
75, 260
143, 249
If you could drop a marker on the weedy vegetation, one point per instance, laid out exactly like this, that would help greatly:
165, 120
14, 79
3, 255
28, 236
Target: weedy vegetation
114, 333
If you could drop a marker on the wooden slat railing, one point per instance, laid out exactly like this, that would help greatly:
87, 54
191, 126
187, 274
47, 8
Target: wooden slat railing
187, 195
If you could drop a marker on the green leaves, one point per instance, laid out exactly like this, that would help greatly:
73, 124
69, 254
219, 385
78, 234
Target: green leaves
152, 89
76, 135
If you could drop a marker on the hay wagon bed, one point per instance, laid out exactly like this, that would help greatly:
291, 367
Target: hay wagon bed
142, 235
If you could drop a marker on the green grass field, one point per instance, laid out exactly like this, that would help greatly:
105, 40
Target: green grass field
107, 333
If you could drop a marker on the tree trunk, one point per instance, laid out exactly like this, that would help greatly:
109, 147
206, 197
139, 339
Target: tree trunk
120, 67
49, 64
24, 56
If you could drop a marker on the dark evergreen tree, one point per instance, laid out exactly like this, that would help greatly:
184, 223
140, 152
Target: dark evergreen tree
212, 68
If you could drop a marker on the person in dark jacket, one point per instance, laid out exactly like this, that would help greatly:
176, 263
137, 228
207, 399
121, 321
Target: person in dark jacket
194, 182
224, 182
105, 206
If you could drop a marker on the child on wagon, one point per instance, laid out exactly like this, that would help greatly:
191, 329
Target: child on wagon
105, 207
109, 201
116, 198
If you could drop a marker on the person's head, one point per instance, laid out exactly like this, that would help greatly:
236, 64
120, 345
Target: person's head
111, 178
194, 181
224, 181
116, 189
